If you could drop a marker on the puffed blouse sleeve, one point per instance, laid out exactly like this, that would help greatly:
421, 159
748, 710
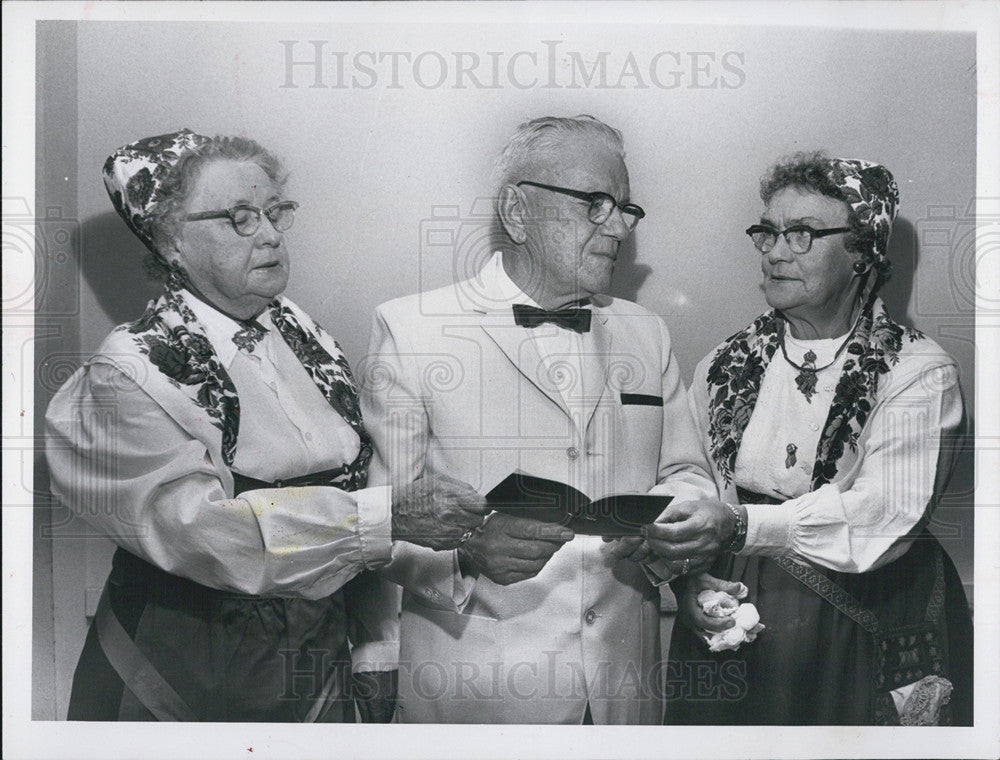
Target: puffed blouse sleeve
885, 489
122, 463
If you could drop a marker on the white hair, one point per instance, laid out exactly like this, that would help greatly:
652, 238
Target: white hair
534, 139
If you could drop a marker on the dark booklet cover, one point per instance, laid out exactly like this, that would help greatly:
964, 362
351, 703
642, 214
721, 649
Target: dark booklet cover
524, 495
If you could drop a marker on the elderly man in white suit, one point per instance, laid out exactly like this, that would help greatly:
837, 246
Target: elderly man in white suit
525, 622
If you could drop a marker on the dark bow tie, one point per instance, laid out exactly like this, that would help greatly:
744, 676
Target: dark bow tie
573, 318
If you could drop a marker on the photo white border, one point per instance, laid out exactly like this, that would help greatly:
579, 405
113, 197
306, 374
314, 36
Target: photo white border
26, 738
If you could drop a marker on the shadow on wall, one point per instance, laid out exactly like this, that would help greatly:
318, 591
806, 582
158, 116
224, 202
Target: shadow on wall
904, 255
111, 261
629, 276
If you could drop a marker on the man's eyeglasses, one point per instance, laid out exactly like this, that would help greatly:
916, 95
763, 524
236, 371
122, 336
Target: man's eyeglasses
246, 218
799, 236
601, 204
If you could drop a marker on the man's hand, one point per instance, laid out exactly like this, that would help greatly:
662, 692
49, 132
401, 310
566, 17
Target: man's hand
509, 549
692, 530
632, 548
689, 612
436, 512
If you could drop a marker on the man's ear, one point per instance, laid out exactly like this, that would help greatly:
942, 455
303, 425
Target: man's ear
510, 208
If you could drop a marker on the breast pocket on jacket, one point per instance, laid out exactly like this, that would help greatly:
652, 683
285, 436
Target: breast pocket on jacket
642, 433
640, 399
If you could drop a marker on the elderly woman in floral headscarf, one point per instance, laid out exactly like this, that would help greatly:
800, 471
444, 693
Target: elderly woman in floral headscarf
827, 426
218, 441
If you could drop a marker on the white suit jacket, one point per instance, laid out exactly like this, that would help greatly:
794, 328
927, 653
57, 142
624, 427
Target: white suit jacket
452, 386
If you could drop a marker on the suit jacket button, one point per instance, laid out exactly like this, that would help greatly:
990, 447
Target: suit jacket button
590, 617
572, 452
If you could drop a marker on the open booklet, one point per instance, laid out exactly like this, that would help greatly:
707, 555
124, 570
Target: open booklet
523, 495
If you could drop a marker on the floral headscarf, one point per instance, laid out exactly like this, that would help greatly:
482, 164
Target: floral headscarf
174, 342
872, 194
134, 173
738, 367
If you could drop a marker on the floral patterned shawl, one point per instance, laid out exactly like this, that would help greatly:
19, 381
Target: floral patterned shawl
736, 372
170, 337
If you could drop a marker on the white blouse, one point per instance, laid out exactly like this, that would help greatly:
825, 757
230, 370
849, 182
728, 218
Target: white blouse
862, 519
126, 466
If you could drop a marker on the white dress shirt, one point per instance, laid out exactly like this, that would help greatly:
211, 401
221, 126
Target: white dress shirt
561, 349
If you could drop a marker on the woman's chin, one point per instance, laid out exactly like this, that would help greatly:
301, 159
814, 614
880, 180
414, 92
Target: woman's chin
780, 296
268, 282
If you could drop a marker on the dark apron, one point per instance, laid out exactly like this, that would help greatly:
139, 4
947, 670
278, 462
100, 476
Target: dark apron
162, 647
835, 644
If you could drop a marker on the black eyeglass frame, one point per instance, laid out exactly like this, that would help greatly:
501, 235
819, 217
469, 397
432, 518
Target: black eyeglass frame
230, 213
754, 229
594, 199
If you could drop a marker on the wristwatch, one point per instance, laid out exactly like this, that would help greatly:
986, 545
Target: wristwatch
738, 538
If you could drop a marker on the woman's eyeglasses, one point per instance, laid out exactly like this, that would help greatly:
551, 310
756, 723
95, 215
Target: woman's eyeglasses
601, 204
246, 218
799, 236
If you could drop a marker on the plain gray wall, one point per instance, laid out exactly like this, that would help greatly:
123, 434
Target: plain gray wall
369, 166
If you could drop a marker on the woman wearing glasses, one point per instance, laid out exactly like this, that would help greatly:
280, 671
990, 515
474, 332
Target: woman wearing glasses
828, 426
218, 441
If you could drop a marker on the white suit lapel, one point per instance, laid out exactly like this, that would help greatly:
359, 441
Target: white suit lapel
516, 344
494, 305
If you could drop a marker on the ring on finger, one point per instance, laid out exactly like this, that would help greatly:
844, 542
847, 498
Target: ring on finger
465, 536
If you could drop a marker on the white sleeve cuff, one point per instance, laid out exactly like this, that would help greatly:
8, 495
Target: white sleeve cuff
375, 525
769, 528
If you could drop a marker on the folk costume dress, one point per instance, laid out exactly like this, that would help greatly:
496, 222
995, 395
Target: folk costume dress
840, 468
228, 462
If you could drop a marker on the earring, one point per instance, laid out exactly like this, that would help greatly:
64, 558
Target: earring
860, 267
